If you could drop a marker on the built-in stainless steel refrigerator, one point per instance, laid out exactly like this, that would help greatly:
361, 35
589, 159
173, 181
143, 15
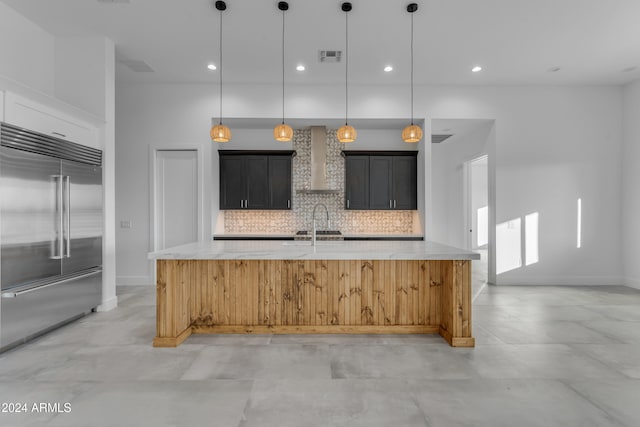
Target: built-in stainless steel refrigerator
51, 232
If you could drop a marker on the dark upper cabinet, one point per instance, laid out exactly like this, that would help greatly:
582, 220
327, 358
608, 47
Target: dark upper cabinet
357, 182
255, 179
381, 180
279, 182
232, 182
256, 173
404, 182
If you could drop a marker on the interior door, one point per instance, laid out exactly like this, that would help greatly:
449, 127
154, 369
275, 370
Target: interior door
176, 198
82, 216
30, 216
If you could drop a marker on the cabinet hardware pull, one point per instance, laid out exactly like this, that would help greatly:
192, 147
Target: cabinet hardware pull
288, 204
394, 204
348, 203
390, 206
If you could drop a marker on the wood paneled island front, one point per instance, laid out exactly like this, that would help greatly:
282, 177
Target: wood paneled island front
293, 287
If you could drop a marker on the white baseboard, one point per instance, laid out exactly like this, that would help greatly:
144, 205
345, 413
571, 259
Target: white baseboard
564, 281
134, 281
632, 283
108, 305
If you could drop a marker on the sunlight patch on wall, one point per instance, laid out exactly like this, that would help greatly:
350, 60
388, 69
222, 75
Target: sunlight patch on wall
531, 238
482, 225
508, 244
579, 221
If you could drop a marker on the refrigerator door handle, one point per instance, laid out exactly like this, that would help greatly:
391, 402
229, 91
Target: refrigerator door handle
58, 245
16, 294
67, 210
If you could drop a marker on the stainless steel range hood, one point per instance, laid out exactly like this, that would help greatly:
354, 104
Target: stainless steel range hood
319, 183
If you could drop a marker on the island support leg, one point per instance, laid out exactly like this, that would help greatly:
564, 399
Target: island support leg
173, 282
455, 324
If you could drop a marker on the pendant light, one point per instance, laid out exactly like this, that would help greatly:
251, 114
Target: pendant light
283, 132
220, 132
346, 133
412, 133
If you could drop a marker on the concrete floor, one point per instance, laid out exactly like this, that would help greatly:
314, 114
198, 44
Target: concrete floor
545, 356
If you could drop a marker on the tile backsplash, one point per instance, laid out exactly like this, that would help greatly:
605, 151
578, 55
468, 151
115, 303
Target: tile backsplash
300, 217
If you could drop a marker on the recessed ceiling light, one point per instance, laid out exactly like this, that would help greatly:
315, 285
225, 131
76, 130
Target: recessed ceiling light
388, 69
553, 69
212, 67
476, 69
300, 67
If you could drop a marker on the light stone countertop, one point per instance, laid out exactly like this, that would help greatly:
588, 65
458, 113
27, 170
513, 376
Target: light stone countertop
345, 235
330, 250
254, 235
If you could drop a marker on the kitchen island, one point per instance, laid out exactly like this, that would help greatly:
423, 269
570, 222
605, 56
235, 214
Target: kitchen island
295, 287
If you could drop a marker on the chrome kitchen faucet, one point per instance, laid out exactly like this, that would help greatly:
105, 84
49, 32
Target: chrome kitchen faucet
313, 238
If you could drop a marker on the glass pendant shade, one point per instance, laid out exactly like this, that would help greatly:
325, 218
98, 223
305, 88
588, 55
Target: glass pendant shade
283, 133
220, 133
347, 134
412, 133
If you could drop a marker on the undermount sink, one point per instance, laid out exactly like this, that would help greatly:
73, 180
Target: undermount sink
306, 236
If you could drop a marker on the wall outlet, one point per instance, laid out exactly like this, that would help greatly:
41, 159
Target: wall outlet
125, 224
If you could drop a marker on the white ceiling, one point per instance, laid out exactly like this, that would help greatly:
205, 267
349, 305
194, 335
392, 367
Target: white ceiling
515, 41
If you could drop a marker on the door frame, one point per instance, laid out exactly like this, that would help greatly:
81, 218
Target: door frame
153, 188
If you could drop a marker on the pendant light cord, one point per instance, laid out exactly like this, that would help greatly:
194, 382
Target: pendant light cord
283, 67
412, 69
346, 68
220, 121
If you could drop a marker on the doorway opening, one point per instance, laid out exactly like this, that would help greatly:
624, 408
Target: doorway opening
176, 217
461, 206
477, 218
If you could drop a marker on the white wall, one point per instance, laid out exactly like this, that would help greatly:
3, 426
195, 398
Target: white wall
80, 72
552, 145
631, 182
27, 52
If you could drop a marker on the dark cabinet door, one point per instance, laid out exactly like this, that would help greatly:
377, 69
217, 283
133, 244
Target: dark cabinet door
232, 182
280, 182
404, 182
380, 188
255, 180
256, 169
357, 182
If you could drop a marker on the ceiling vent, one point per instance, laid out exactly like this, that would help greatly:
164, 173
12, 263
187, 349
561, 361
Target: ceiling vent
137, 65
437, 139
330, 55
